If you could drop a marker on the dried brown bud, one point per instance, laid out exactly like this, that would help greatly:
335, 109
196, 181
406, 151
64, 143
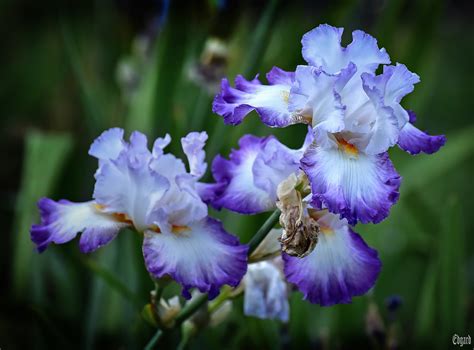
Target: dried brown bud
300, 231
210, 69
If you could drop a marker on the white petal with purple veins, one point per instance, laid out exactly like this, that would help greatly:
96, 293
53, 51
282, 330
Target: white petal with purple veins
61, 221
357, 186
202, 256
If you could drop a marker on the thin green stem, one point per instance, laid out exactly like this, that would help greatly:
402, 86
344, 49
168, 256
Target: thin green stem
158, 292
186, 336
216, 303
190, 309
151, 344
263, 231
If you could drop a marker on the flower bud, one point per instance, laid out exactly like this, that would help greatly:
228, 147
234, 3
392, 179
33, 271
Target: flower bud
168, 310
300, 231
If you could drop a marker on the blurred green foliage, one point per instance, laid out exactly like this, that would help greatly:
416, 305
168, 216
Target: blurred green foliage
72, 69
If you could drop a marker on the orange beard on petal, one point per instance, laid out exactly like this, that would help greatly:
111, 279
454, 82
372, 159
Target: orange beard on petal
122, 217
176, 229
347, 147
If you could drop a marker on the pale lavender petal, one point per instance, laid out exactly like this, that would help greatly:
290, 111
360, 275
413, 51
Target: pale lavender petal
359, 187
108, 145
193, 145
322, 48
280, 76
266, 294
395, 83
202, 256
127, 185
181, 204
61, 222
315, 95
340, 267
160, 144
385, 127
364, 52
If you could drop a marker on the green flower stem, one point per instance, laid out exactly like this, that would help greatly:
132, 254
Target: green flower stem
151, 344
216, 303
190, 309
263, 231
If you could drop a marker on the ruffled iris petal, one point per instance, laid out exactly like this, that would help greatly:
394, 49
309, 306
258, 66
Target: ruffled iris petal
414, 141
61, 221
269, 101
193, 145
322, 48
358, 187
395, 83
340, 267
108, 145
247, 182
315, 93
384, 126
128, 186
202, 256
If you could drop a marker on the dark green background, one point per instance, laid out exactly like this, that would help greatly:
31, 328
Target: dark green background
59, 90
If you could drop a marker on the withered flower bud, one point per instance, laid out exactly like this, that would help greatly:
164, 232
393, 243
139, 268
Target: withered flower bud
210, 68
300, 231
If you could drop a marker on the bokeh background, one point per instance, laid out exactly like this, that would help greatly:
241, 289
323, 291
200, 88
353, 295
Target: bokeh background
71, 69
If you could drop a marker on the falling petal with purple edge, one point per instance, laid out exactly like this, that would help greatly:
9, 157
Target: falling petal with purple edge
357, 186
202, 255
341, 266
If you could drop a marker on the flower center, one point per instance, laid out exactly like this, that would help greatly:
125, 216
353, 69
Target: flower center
122, 217
347, 147
176, 229
325, 230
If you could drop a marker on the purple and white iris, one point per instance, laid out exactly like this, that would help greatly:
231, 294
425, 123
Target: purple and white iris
341, 265
247, 182
355, 116
153, 193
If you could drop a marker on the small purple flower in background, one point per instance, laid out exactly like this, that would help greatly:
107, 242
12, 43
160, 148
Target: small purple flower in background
355, 116
153, 193
332, 263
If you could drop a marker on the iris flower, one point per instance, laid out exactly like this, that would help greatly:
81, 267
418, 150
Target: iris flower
153, 193
355, 115
263, 174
